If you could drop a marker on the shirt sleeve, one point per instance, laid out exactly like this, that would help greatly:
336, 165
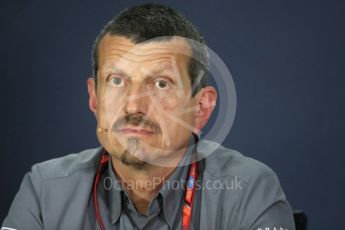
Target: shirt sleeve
25, 211
276, 217
264, 205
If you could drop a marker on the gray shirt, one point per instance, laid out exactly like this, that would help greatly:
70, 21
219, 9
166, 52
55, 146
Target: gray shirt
232, 192
164, 209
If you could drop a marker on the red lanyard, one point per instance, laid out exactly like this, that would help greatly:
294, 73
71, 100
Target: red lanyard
189, 197
103, 162
188, 200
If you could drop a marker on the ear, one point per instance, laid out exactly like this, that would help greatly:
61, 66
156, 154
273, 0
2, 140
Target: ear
206, 100
91, 87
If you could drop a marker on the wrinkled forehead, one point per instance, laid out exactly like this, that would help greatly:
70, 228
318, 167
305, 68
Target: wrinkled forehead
120, 52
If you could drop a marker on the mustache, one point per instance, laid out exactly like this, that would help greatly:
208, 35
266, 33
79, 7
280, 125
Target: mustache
136, 120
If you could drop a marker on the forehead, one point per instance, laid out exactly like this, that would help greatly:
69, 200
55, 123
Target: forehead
118, 50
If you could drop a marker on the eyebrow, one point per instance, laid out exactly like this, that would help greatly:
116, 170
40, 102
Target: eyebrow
162, 68
111, 69
157, 69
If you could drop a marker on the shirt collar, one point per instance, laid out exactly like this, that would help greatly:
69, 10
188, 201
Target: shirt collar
172, 190
115, 197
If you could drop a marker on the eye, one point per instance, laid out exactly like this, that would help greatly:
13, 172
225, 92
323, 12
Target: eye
162, 84
115, 81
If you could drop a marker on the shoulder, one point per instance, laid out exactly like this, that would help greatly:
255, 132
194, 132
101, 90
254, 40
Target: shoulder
250, 180
223, 162
50, 187
250, 188
69, 164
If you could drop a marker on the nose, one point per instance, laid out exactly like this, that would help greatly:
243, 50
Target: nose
137, 100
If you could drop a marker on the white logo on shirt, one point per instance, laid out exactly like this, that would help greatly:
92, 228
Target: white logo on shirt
274, 228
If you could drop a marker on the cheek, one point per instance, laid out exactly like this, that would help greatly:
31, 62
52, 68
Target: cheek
109, 107
177, 113
168, 104
176, 101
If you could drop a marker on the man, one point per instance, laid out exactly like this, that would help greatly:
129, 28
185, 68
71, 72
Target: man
151, 100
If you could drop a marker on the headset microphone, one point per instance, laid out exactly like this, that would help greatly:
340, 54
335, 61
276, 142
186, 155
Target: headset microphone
101, 130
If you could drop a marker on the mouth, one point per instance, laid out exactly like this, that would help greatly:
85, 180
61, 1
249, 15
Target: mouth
136, 132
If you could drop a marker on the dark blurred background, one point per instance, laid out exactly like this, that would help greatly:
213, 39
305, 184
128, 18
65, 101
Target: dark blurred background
287, 59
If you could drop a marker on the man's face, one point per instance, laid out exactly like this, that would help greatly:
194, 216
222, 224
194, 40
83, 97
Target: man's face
143, 103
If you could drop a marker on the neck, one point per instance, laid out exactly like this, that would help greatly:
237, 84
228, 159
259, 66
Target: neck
142, 185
